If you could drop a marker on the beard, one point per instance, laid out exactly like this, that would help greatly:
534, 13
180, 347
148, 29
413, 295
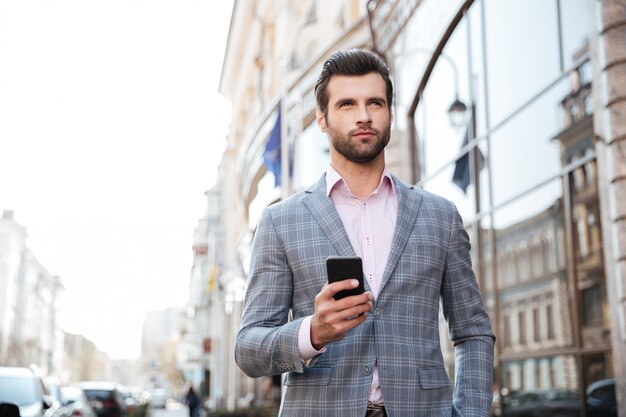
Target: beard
358, 152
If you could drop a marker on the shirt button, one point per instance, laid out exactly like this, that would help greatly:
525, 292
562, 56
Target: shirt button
378, 313
367, 370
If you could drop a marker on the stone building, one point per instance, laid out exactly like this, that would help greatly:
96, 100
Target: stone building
29, 332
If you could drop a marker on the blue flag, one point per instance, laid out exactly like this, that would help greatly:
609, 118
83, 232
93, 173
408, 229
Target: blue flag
461, 176
271, 155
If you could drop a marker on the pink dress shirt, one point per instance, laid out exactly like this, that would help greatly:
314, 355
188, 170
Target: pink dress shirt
370, 224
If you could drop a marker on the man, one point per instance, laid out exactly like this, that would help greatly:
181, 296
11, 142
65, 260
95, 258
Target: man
192, 401
378, 353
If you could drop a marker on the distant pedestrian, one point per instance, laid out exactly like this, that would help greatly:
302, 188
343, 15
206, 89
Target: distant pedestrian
192, 401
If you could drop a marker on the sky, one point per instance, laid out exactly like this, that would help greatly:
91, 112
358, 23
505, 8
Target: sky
111, 130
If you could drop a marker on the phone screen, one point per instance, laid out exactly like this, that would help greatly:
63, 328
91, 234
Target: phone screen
345, 267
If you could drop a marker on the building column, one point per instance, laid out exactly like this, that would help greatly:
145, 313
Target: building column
609, 90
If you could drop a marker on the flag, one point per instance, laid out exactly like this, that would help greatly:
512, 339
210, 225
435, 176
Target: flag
271, 155
461, 177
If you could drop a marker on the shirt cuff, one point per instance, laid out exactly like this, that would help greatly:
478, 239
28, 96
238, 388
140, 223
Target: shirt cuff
306, 349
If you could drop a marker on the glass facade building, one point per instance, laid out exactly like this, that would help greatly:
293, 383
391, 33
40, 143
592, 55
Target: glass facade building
521, 168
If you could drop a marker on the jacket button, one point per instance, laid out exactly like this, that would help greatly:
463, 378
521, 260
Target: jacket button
378, 313
367, 370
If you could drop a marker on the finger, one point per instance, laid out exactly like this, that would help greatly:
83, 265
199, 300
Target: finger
346, 284
354, 300
357, 310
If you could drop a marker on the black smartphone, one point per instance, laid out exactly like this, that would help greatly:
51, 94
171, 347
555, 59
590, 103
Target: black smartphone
339, 268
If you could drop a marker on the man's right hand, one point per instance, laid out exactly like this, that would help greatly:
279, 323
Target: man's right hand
334, 318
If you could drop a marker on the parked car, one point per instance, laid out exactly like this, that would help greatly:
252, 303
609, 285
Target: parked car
157, 397
25, 388
601, 401
105, 398
53, 386
132, 399
543, 402
75, 401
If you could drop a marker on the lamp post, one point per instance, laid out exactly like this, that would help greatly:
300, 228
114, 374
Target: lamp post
457, 111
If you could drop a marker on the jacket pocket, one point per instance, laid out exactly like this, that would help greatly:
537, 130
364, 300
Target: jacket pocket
433, 378
316, 375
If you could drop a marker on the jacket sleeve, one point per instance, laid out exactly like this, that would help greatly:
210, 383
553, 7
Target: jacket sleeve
267, 342
468, 325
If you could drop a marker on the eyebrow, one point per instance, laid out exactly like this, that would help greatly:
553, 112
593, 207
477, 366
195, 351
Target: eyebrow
351, 99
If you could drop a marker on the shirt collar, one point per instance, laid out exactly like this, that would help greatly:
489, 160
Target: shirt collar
333, 177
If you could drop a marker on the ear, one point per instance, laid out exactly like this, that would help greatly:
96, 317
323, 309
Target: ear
321, 120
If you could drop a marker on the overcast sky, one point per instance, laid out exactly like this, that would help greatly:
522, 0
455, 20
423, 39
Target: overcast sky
111, 129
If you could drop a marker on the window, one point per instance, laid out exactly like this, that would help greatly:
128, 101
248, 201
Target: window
536, 325
575, 16
521, 321
537, 374
592, 303
581, 229
590, 167
523, 153
549, 322
521, 59
506, 330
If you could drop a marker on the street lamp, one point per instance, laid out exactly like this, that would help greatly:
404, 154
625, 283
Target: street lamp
456, 113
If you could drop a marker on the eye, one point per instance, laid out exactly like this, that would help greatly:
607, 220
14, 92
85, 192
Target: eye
376, 103
344, 104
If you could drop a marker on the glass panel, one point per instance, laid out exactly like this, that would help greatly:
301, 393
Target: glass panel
523, 150
454, 183
478, 74
522, 57
485, 186
575, 21
532, 278
442, 185
440, 140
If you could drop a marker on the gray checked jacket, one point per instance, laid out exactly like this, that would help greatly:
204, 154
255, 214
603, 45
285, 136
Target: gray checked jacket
429, 265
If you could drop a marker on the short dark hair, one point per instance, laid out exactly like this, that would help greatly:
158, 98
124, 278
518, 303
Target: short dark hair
350, 62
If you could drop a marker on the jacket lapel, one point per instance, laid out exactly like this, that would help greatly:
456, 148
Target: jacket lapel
324, 212
408, 206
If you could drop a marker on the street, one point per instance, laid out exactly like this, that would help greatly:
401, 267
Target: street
173, 409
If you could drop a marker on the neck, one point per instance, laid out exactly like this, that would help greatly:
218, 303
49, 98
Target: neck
362, 179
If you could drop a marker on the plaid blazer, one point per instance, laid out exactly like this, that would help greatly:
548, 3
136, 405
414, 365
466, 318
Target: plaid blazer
429, 264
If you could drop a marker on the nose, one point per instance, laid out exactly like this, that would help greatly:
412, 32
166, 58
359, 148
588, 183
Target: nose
364, 116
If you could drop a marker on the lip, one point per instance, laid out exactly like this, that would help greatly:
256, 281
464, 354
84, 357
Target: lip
364, 133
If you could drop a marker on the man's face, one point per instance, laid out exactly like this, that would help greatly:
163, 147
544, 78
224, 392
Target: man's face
358, 122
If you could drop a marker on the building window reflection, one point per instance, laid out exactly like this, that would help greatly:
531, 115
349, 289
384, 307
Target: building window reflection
532, 208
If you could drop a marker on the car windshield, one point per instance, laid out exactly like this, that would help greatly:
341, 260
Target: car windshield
99, 394
18, 390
